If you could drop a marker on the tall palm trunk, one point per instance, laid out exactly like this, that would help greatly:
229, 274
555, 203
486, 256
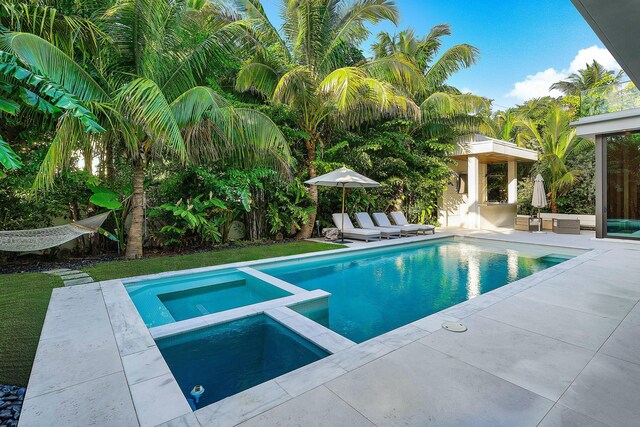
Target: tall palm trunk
307, 229
134, 242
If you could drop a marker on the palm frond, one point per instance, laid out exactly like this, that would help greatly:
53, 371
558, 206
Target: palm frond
452, 60
352, 26
238, 138
49, 61
8, 158
257, 77
190, 107
144, 104
397, 70
69, 136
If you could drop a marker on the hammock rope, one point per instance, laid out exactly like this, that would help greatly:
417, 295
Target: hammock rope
45, 238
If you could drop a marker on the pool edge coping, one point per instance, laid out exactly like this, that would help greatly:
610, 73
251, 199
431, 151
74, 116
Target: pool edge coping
135, 341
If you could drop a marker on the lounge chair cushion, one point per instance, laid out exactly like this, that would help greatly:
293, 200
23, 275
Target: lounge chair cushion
349, 228
364, 221
399, 218
383, 221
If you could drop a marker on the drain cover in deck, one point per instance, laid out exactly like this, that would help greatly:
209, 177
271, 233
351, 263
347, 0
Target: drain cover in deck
454, 326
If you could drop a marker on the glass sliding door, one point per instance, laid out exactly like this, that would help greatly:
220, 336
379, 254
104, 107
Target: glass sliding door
623, 185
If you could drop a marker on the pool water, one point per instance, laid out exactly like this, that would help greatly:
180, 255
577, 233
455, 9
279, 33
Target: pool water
171, 299
232, 357
376, 291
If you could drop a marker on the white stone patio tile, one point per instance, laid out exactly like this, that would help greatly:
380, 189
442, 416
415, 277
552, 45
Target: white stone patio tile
608, 390
417, 385
57, 271
462, 310
601, 282
144, 365
81, 281
286, 286
281, 313
242, 406
100, 402
158, 400
303, 326
561, 416
188, 420
309, 377
434, 322
624, 343
228, 315
129, 329
73, 274
332, 342
634, 315
572, 326
75, 312
540, 364
360, 355
486, 300
316, 408
402, 336
597, 303
177, 328
60, 363
75, 347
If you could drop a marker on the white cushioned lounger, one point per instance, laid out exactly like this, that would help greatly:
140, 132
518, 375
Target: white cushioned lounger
382, 220
364, 221
400, 219
354, 233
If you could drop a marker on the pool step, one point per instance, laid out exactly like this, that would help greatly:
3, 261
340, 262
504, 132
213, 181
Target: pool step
555, 258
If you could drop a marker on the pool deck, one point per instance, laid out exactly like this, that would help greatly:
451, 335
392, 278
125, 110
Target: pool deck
560, 347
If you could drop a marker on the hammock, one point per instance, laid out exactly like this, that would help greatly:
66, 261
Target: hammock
44, 238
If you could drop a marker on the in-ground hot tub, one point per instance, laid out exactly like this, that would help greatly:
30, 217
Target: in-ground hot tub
171, 299
231, 357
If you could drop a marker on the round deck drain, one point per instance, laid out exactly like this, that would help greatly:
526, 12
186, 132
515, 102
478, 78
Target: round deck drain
454, 326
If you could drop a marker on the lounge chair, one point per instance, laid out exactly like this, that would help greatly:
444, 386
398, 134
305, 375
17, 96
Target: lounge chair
399, 219
354, 233
364, 221
382, 220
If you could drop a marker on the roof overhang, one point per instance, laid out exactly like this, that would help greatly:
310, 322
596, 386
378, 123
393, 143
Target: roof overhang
609, 123
490, 150
615, 22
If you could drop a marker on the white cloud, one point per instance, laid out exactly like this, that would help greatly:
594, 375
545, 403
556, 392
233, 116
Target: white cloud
537, 85
586, 56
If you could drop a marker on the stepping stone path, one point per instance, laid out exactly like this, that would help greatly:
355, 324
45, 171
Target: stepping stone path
71, 277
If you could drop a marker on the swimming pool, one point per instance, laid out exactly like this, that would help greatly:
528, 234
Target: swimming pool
376, 291
233, 327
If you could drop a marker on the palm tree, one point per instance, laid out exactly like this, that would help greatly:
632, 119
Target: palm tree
307, 68
443, 107
144, 87
594, 75
502, 125
557, 142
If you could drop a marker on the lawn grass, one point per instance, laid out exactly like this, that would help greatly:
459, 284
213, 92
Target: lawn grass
24, 298
120, 269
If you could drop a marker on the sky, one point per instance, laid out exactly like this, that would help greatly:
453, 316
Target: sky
525, 45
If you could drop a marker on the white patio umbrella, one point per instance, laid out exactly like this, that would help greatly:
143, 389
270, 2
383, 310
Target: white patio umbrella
539, 199
345, 178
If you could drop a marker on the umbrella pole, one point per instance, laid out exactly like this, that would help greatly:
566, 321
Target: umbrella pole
342, 228
539, 221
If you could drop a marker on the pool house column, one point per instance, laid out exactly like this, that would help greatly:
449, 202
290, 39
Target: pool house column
473, 194
512, 182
